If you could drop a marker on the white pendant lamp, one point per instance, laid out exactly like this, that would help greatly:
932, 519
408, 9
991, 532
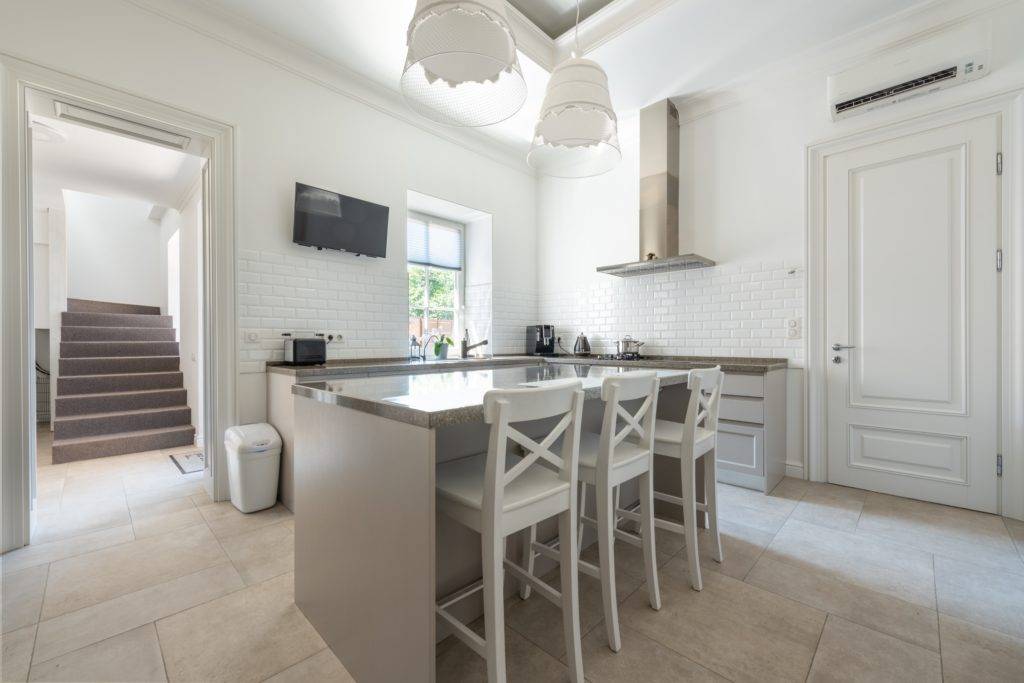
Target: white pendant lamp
576, 135
462, 68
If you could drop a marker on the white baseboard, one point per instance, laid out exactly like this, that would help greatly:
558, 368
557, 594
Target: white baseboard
795, 470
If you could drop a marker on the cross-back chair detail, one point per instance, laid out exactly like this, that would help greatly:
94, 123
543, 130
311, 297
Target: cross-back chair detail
695, 438
474, 490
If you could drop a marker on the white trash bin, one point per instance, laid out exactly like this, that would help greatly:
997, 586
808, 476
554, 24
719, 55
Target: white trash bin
254, 462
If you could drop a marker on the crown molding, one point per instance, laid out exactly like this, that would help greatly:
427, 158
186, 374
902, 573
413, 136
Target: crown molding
530, 40
247, 37
895, 31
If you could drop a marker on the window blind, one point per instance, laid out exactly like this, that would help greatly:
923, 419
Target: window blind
433, 243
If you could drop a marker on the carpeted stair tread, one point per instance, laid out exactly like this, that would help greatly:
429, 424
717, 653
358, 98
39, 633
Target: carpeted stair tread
118, 413
113, 333
110, 365
138, 392
71, 319
92, 306
120, 381
113, 401
140, 432
96, 424
106, 349
88, 447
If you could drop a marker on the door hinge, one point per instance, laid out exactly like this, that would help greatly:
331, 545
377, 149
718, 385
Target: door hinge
999, 464
999, 260
999, 163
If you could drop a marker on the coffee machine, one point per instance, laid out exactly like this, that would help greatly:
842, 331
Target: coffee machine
540, 340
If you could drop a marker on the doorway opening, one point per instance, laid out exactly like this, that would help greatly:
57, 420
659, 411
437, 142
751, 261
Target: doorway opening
118, 223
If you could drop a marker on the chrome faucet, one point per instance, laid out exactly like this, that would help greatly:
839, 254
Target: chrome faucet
467, 347
423, 349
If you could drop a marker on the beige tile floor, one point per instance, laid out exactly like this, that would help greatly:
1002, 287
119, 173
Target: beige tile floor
134, 571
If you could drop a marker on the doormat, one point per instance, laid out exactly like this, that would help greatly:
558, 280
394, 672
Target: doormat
189, 462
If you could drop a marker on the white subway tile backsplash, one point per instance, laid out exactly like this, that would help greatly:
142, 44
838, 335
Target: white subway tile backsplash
732, 309
366, 304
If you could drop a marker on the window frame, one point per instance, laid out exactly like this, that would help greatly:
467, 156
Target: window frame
458, 309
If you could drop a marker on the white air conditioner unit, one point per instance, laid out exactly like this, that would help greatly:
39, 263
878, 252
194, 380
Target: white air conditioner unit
952, 58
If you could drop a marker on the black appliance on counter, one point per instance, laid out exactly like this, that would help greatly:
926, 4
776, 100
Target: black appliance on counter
540, 340
305, 351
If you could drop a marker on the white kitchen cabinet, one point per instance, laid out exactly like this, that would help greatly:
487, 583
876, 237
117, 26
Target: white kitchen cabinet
752, 430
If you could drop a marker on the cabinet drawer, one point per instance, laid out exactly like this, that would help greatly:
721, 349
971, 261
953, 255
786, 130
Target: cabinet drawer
738, 384
742, 409
740, 448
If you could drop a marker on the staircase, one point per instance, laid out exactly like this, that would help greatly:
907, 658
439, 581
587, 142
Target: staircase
119, 386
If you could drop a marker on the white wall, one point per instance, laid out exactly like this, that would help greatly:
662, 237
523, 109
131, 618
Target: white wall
41, 271
182, 229
290, 129
479, 284
114, 250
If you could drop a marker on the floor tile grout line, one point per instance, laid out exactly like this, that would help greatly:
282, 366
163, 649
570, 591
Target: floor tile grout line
817, 646
938, 619
160, 647
325, 647
1018, 546
154, 621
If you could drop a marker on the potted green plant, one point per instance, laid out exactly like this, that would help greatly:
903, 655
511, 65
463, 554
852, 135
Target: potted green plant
441, 346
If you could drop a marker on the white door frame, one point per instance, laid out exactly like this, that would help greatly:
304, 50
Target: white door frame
1009, 105
219, 315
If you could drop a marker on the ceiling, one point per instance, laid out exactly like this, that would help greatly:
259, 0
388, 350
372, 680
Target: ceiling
555, 17
651, 49
90, 160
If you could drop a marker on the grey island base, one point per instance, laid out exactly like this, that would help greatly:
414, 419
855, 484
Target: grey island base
371, 554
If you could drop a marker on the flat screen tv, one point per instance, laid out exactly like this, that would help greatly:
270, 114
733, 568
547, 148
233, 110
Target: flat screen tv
328, 220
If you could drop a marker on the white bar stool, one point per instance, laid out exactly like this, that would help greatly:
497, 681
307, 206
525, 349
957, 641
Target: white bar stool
499, 493
607, 460
695, 437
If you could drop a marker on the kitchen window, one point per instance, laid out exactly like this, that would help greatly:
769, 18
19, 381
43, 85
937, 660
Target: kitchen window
435, 264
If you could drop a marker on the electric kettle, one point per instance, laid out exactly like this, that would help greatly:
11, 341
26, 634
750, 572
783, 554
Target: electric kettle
582, 346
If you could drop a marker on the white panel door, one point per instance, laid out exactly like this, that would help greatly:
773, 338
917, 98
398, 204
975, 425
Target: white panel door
912, 231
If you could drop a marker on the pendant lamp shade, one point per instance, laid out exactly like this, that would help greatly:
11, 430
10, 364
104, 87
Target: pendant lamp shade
576, 135
462, 68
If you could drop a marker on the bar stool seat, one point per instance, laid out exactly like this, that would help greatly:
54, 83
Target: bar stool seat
625, 454
668, 431
460, 489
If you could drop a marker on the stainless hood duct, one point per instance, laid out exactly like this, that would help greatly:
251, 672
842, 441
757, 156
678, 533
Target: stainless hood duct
659, 197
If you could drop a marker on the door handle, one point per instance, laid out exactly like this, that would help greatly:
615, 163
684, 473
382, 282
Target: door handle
839, 347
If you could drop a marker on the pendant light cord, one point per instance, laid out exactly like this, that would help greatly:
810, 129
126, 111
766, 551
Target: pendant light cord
578, 53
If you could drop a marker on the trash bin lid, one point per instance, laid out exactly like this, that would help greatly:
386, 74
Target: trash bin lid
252, 438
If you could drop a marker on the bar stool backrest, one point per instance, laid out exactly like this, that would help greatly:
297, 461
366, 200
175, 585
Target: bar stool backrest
505, 407
639, 426
705, 387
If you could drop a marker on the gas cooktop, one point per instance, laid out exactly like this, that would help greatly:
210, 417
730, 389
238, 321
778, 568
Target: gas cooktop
618, 356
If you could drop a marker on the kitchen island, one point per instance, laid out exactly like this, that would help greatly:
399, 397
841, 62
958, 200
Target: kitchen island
371, 555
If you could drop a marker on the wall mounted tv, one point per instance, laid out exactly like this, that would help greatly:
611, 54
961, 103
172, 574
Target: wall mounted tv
328, 220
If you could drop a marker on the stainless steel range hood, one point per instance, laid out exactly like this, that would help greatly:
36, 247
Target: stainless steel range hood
659, 198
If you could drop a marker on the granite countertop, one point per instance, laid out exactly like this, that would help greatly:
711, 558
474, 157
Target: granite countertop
756, 366
392, 366
437, 399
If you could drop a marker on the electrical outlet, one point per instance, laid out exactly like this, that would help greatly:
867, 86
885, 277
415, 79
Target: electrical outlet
794, 328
